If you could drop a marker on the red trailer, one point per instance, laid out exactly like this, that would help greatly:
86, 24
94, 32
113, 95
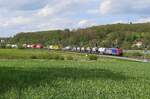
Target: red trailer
39, 46
33, 46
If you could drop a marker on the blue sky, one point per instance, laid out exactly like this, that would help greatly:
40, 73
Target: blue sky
37, 15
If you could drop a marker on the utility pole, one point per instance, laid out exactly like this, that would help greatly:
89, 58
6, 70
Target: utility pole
145, 54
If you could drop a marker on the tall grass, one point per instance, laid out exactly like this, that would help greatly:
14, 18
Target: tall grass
51, 79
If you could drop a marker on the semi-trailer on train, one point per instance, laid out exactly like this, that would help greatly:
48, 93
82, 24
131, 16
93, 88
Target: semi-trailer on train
95, 50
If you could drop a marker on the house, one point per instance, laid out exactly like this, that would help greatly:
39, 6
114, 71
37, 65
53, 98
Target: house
138, 44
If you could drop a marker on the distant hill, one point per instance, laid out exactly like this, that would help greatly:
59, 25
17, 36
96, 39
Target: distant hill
113, 35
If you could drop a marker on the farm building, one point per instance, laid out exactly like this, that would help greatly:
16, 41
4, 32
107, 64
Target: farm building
138, 44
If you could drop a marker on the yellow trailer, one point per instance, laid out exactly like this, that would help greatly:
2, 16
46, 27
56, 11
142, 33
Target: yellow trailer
54, 47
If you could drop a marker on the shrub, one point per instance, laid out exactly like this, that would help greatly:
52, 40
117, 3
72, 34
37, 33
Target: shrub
2, 46
33, 57
8, 46
44, 56
92, 57
69, 58
61, 58
55, 56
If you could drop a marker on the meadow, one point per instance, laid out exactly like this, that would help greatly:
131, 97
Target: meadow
79, 78
140, 54
36, 54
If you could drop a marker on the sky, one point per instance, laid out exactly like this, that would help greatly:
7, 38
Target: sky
38, 15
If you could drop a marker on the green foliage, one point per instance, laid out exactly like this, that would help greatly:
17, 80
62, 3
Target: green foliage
69, 57
116, 35
38, 53
20, 46
126, 45
137, 54
2, 45
47, 56
92, 57
61, 58
55, 56
33, 57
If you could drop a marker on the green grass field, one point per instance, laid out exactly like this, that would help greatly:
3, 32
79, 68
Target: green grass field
137, 54
39, 54
73, 79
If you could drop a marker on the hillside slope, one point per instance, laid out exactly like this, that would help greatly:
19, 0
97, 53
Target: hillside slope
114, 35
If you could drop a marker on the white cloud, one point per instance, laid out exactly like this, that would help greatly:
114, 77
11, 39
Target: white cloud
105, 6
93, 11
143, 20
86, 23
120, 21
19, 20
45, 11
124, 6
53, 9
22, 4
64, 6
15, 21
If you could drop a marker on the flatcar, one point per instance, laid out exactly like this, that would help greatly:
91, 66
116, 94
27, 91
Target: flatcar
78, 49
83, 50
74, 49
94, 50
67, 48
101, 50
88, 50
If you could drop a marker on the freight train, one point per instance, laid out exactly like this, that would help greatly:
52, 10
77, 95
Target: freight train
90, 50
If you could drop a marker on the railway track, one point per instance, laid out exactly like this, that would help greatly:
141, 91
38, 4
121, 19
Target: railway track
121, 58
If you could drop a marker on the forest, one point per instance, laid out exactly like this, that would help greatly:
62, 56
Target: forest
111, 35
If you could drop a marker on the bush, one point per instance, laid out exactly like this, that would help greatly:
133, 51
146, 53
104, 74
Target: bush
33, 57
69, 58
55, 57
92, 57
61, 58
2, 46
8, 46
46, 56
